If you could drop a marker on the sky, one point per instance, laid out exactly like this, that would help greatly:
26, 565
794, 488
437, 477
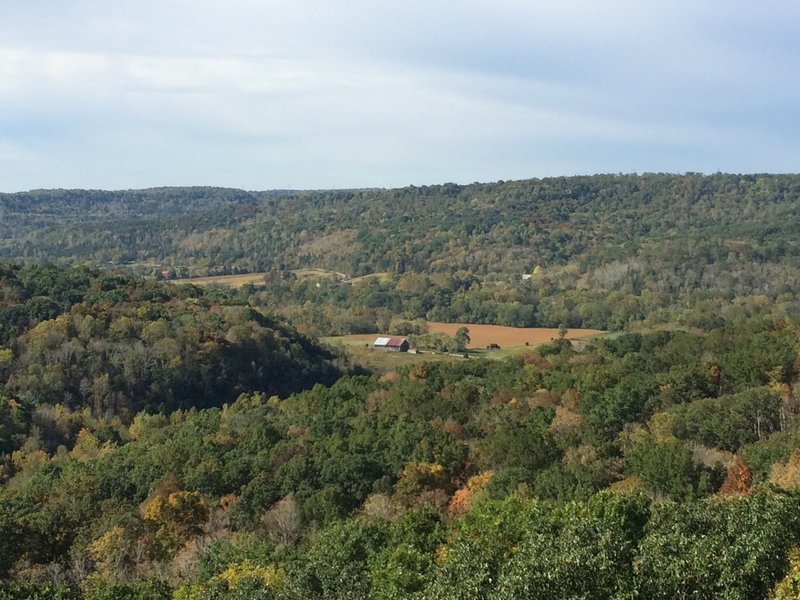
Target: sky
316, 94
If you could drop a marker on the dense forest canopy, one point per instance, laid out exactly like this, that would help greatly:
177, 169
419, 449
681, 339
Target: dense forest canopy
164, 440
76, 340
486, 229
151, 446
555, 473
602, 251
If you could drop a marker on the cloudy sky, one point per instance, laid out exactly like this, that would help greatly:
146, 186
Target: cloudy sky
361, 93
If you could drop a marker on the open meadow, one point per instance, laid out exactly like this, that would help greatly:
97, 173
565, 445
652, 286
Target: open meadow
232, 281
237, 281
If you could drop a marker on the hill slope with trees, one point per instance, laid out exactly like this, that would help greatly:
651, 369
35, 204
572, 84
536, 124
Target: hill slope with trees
603, 250
160, 440
79, 345
646, 466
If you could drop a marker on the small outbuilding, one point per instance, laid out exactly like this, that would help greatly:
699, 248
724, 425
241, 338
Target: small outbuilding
390, 344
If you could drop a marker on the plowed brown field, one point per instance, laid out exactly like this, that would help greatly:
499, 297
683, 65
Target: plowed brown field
483, 335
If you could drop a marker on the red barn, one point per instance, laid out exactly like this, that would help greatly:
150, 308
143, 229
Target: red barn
391, 344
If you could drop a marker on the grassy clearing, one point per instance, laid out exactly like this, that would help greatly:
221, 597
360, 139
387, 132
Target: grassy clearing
508, 338
237, 281
359, 349
233, 281
318, 274
382, 277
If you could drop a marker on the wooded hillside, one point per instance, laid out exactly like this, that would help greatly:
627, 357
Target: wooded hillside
603, 251
163, 440
618, 471
499, 228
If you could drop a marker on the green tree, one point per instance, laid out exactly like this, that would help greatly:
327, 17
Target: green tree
588, 551
713, 549
461, 338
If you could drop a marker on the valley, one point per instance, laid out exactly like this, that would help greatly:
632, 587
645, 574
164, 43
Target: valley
191, 406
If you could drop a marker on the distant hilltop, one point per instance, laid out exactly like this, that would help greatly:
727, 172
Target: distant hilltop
604, 229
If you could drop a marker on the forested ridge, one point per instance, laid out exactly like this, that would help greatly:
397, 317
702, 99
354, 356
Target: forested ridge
162, 440
604, 250
503, 227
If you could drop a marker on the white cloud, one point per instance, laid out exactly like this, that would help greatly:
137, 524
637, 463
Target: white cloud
265, 94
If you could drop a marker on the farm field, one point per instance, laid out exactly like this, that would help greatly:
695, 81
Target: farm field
237, 281
311, 273
233, 281
359, 351
510, 339
481, 335
382, 277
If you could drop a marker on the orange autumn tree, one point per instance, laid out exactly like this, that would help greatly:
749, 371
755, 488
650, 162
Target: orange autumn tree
462, 499
739, 480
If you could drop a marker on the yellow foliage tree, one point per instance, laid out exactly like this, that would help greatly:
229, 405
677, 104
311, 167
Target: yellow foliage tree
87, 448
238, 573
423, 483
788, 588
177, 517
629, 485
111, 553
661, 426
786, 475
5, 356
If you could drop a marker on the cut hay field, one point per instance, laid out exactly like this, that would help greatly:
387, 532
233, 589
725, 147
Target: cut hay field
234, 281
312, 273
237, 281
382, 277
